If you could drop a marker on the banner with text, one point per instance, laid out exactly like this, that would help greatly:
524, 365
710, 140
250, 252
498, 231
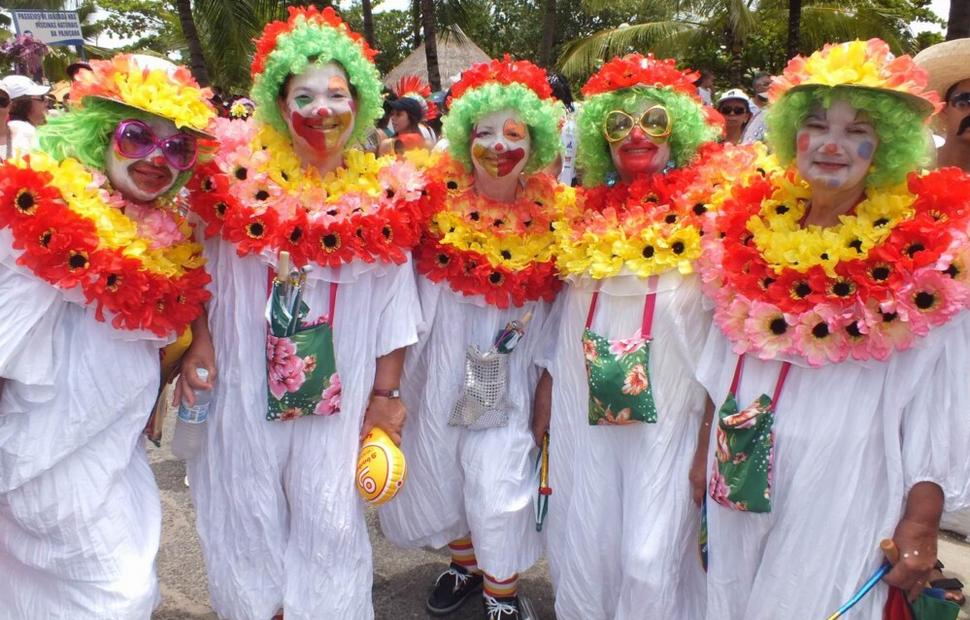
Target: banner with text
50, 27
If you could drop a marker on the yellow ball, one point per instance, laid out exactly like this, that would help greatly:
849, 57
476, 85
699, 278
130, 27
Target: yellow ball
381, 469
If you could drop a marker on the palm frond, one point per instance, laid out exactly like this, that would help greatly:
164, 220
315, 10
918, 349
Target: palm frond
582, 56
823, 23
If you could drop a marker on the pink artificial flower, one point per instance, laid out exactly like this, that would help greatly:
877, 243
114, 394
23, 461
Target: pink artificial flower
403, 179
284, 366
330, 399
889, 331
769, 329
156, 225
627, 346
636, 381
936, 296
820, 335
731, 317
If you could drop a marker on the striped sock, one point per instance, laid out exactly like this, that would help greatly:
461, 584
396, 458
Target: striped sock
501, 589
463, 554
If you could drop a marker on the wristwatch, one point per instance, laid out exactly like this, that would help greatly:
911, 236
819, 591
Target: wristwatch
395, 393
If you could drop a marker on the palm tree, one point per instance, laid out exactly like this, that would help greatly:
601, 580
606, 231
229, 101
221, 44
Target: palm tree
677, 27
430, 43
958, 25
365, 9
191, 34
548, 33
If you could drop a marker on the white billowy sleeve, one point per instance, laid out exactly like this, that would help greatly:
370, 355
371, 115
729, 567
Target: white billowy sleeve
401, 313
548, 331
29, 310
936, 422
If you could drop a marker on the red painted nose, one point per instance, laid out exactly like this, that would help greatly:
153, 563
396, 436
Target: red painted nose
830, 149
324, 112
499, 148
158, 161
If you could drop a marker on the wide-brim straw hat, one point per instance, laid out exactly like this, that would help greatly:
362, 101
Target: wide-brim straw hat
947, 63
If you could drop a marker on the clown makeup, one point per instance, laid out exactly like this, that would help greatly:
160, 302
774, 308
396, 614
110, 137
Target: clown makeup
501, 144
835, 147
145, 178
638, 154
320, 111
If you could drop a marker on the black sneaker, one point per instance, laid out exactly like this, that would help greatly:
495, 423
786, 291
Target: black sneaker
451, 589
501, 608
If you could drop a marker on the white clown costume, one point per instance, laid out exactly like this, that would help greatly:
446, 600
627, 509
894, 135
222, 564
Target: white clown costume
483, 263
281, 524
94, 281
863, 348
622, 528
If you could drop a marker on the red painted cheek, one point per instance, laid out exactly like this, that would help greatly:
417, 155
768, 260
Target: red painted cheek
803, 140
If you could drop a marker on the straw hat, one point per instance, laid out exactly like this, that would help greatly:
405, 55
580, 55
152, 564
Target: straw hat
947, 63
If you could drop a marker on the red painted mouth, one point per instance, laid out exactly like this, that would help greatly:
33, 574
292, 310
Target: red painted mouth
318, 131
149, 177
508, 160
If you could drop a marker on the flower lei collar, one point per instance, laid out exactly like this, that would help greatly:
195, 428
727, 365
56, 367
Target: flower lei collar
138, 265
503, 252
256, 195
863, 289
643, 226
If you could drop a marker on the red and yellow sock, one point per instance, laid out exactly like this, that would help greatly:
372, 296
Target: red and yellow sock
507, 588
463, 554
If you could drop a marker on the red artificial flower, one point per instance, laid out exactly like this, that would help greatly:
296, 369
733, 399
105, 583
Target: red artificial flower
294, 237
332, 244
266, 43
504, 71
636, 69
251, 232
22, 192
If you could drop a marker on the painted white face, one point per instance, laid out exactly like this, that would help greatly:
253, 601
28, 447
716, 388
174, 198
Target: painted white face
319, 110
638, 154
501, 144
146, 178
835, 148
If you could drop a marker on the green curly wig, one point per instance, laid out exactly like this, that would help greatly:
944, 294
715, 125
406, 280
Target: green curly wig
540, 116
310, 42
85, 133
904, 142
690, 128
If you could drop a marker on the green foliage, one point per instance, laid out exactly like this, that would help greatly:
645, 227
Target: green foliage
392, 34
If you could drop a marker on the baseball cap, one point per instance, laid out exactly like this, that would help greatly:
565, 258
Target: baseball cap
22, 86
734, 93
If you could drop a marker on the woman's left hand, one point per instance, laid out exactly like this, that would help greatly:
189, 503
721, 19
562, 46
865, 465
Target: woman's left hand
915, 537
387, 414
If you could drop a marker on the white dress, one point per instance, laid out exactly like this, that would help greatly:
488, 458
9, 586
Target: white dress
622, 530
80, 515
462, 480
279, 516
851, 439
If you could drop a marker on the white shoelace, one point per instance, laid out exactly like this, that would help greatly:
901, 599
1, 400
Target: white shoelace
460, 578
497, 610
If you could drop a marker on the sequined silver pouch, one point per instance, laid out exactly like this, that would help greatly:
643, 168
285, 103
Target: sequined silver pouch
484, 399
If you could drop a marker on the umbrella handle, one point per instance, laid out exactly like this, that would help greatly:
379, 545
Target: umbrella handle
283, 266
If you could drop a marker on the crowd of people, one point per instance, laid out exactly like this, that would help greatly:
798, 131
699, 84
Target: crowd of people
594, 286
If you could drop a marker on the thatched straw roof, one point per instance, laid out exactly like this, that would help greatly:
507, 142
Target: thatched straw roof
456, 52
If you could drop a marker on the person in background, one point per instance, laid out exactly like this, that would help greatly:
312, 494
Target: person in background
28, 110
6, 133
735, 106
405, 119
564, 167
755, 131
705, 86
75, 68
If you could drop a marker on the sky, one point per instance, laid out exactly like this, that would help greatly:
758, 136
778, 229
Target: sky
940, 7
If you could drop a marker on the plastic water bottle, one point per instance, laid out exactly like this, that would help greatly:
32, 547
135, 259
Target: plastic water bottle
191, 421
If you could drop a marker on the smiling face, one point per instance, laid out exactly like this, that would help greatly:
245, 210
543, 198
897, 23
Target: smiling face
638, 154
319, 110
146, 178
835, 147
501, 144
